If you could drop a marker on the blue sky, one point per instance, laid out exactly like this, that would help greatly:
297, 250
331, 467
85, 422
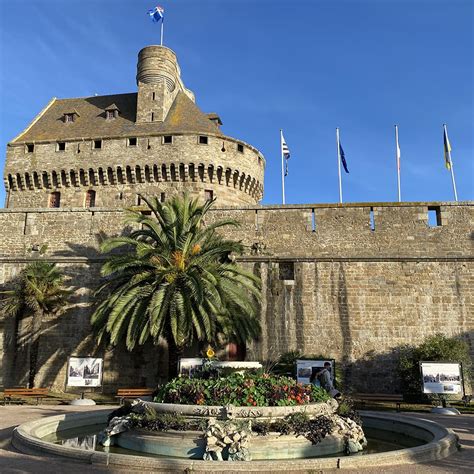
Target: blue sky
306, 66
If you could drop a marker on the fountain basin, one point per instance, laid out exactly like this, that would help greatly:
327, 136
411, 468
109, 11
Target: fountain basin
438, 443
191, 445
244, 412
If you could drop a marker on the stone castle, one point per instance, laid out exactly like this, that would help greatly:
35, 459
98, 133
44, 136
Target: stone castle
353, 282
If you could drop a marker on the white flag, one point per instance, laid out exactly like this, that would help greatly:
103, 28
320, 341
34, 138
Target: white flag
285, 151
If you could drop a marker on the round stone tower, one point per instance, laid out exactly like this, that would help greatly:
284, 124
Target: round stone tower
103, 151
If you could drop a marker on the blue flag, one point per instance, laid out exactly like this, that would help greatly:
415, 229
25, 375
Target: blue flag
343, 158
157, 14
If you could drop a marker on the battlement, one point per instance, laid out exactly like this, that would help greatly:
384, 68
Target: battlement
315, 231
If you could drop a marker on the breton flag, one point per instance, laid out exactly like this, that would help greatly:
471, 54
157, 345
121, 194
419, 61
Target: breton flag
285, 151
157, 14
343, 158
447, 149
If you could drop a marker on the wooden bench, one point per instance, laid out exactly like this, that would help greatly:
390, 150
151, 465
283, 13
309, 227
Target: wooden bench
10, 393
123, 393
378, 397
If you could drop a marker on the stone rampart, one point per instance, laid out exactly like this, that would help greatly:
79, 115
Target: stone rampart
336, 281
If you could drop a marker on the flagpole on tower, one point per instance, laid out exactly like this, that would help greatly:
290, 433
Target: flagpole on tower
282, 168
397, 152
449, 160
339, 164
162, 23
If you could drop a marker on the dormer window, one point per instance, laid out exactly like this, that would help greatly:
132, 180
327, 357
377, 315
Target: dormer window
71, 116
111, 112
215, 119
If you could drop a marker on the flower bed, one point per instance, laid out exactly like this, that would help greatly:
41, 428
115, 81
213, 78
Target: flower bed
240, 390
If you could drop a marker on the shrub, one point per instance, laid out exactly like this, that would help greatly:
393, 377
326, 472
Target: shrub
299, 424
240, 390
435, 348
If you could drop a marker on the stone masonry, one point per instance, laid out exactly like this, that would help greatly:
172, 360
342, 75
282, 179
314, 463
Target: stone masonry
332, 283
102, 151
353, 282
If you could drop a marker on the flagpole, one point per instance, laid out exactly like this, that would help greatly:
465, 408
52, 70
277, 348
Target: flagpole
451, 163
397, 152
162, 23
339, 164
282, 168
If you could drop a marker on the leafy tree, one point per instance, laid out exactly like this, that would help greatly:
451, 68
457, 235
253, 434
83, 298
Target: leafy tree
38, 292
173, 278
437, 348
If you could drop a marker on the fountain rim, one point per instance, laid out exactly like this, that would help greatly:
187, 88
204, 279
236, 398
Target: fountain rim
27, 438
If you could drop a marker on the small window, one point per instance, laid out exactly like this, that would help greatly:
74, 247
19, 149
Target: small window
153, 96
287, 271
139, 200
90, 198
203, 140
132, 141
30, 147
61, 146
372, 219
434, 216
97, 145
69, 118
209, 194
240, 148
162, 197
152, 116
55, 199
168, 139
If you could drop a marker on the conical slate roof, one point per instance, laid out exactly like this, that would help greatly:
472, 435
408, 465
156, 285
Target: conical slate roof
183, 117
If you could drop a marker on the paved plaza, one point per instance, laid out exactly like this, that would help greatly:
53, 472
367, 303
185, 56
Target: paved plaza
14, 462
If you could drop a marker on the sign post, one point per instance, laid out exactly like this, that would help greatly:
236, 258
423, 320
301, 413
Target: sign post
442, 379
84, 372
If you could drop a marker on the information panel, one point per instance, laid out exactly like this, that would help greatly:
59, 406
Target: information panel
84, 372
441, 377
189, 365
308, 369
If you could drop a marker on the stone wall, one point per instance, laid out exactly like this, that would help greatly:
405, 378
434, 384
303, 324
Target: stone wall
118, 171
335, 282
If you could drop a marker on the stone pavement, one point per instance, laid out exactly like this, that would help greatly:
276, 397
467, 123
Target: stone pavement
14, 462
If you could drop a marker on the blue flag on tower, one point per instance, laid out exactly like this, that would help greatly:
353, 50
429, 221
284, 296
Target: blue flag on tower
343, 158
157, 14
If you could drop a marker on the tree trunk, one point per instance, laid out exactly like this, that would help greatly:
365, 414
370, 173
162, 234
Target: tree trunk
174, 354
36, 328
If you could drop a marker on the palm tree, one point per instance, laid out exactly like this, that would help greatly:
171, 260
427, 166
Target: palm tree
37, 292
174, 279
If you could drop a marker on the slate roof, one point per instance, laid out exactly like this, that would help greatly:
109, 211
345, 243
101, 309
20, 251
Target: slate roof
184, 116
